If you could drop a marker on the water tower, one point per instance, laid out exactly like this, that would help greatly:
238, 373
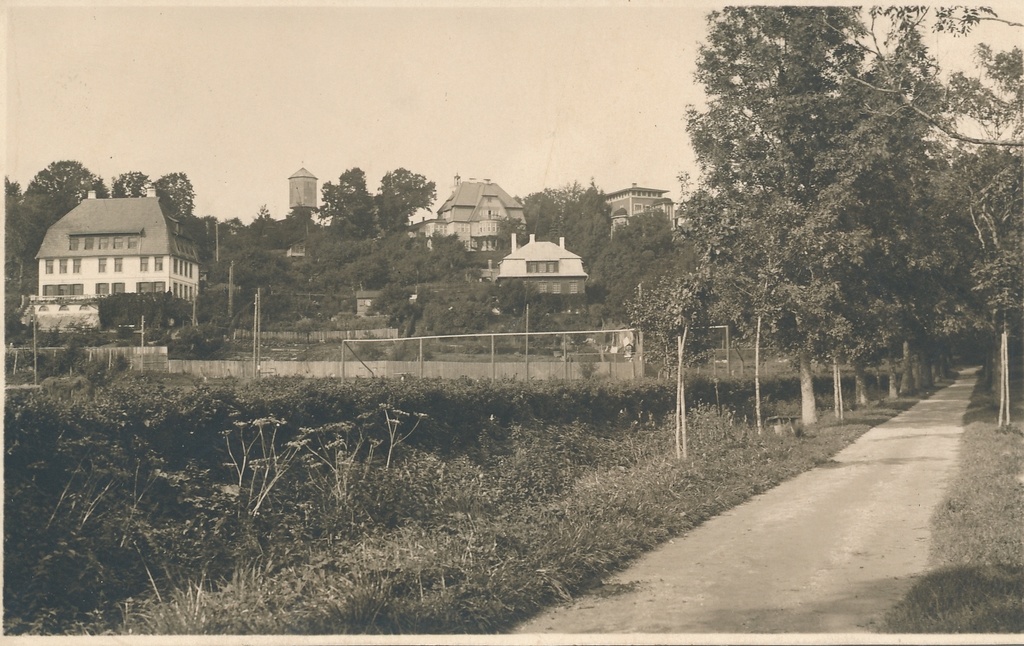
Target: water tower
302, 189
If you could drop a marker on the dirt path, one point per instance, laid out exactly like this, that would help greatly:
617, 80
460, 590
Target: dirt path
826, 552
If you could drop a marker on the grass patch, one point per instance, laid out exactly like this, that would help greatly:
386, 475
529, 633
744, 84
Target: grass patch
977, 585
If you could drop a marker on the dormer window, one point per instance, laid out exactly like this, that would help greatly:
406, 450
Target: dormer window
73, 243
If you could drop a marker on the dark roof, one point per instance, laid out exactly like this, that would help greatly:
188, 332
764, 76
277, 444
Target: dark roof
468, 194
142, 216
302, 173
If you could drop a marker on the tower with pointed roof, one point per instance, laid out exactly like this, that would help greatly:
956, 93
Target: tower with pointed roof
302, 189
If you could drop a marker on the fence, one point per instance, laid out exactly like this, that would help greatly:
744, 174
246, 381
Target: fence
318, 336
142, 359
537, 355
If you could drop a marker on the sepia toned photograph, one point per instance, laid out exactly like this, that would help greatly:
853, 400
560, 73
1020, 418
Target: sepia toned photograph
513, 322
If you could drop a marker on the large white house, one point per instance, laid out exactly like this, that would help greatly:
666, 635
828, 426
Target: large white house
549, 267
116, 245
474, 213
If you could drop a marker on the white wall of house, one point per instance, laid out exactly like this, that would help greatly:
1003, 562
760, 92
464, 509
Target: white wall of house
102, 275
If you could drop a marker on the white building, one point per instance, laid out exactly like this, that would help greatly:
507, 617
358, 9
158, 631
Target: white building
474, 213
549, 267
117, 245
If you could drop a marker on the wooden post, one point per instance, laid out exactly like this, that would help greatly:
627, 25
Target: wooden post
421, 358
493, 367
35, 348
565, 358
757, 374
681, 451
527, 341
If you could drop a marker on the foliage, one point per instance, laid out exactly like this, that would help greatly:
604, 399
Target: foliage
161, 310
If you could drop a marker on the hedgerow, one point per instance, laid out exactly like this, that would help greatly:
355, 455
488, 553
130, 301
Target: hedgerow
120, 510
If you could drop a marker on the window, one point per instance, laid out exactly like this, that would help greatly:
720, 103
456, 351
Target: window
159, 287
49, 290
63, 290
103, 288
116, 288
73, 243
158, 263
63, 265
118, 264
143, 288
76, 265
49, 266
556, 288
63, 308
143, 264
174, 265
133, 242
101, 265
103, 243
574, 287
118, 242
43, 308
542, 287
76, 290
89, 242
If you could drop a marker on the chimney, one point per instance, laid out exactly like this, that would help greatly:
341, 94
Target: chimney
514, 245
533, 237
150, 191
561, 242
634, 184
91, 195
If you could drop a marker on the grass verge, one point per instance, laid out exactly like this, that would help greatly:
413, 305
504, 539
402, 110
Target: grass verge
977, 585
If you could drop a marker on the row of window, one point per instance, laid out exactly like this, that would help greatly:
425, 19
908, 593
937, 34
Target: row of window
102, 242
556, 287
102, 264
542, 266
104, 289
183, 268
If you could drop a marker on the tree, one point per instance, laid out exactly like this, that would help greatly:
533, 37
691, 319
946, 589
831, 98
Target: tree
348, 207
176, 193
765, 144
63, 185
130, 184
401, 194
894, 45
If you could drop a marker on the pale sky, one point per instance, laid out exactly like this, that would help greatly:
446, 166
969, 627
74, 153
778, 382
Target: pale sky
240, 97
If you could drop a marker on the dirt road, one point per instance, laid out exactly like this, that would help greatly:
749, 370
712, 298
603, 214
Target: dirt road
826, 552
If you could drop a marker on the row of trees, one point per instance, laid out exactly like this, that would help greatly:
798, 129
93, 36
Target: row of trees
852, 206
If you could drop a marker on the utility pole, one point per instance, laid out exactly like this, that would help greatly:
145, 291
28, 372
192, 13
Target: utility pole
231, 292
35, 349
527, 341
256, 334
216, 237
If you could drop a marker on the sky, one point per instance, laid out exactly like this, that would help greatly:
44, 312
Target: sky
240, 97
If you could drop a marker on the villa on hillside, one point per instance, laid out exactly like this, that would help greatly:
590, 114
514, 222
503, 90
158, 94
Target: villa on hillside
549, 267
635, 200
474, 213
113, 246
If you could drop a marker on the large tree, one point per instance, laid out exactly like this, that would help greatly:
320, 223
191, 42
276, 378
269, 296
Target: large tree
130, 184
348, 206
766, 143
401, 194
176, 192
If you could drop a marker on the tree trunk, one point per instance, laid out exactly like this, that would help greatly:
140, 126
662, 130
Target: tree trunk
908, 386
757, 375
808, 410
927, 374
860, 384
894, 389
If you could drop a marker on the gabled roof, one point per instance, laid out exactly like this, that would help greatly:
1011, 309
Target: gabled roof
539, 250
142, 216
468, 194
302, 173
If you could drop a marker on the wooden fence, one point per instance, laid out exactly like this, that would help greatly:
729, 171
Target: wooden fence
143, 359
318, 336
541, 370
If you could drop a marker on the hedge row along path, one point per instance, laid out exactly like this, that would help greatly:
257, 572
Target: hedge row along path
826, 552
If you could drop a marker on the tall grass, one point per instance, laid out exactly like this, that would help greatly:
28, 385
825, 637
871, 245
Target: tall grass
977, 585
480, 565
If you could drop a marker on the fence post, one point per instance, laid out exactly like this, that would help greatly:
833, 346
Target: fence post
493, 367
421, 358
